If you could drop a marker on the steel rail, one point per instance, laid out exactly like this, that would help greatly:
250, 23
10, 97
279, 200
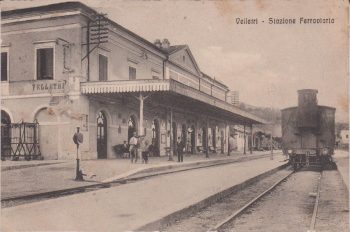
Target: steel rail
239, 211
314, 214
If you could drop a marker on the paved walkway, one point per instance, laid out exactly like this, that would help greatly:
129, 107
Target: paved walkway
130, 206
57, 176
341, 157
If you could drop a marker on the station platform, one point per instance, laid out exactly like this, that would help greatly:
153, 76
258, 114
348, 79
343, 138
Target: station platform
130, 206
19, 178
341, 158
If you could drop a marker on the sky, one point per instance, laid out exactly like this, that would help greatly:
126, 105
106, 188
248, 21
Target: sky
266, 63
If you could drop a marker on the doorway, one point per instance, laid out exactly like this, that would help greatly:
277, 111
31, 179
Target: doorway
156, 137
101, 135
174, 137
204, 138
5, 135
191, 140
222, 142
132, 127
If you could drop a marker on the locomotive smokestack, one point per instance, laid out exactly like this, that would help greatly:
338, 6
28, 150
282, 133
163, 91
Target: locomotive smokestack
307, 97
307, 108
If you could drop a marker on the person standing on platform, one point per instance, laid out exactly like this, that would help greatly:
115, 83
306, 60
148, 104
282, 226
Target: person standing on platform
133, 148
180, 149
144, 146
231, 144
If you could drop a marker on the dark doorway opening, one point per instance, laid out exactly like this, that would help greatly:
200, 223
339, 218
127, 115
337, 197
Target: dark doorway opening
174, 137
132, 127
156, 137
222, 142
5, 135
214, 137
184, 133
204, 139
191, 140
101, 135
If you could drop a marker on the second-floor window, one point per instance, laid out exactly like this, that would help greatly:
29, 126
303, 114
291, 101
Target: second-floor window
103, 68
44, 64
4, 66
132, 73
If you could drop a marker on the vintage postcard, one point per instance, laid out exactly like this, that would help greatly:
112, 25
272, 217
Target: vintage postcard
199, 115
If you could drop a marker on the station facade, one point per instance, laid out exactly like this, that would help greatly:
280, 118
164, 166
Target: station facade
65, 66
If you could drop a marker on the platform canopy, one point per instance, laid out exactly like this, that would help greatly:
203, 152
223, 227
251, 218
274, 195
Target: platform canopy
174, 93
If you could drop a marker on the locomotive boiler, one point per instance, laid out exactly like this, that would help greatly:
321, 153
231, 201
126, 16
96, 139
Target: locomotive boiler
308, 131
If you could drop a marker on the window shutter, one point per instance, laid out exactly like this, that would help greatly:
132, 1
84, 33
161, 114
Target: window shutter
4, 66
103, 68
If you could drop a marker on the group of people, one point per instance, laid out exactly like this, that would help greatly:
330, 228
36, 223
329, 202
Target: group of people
136, 143
139, 142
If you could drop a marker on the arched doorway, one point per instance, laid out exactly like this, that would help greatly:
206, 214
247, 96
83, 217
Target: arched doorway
132, 127
174, 136
222, 142
204, 138
184, 133
101, 135
191, 139
214, 136
5, 135
156, 137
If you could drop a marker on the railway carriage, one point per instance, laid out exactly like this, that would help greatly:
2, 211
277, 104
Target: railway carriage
308, 131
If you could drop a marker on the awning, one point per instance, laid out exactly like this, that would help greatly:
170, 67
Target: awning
130, 86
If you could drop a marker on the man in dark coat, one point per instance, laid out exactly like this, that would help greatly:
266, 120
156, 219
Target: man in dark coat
180, 148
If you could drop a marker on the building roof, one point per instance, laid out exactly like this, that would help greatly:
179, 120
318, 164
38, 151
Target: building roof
174, 48
214, 80
70, 6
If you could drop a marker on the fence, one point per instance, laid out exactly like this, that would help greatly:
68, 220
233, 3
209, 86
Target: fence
20, 141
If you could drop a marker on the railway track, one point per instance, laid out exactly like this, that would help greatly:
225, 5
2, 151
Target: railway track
314, 214
252, 206
221, 224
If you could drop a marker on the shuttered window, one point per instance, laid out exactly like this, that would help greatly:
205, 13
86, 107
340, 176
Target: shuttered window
44, 64
103, 68
4, 61
132, 73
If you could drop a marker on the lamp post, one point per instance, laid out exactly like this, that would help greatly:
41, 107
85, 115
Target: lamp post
78, 139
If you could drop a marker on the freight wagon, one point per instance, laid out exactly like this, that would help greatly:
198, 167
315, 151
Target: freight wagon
308, 131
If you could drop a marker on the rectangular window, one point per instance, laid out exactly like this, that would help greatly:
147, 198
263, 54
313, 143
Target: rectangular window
132, 73
103, 68
44, 64
155, 75
4, 67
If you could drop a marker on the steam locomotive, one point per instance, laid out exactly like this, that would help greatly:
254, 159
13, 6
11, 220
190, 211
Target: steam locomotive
308, 131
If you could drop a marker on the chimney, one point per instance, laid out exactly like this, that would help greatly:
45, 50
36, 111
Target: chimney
307, 108
158, 43
165, 44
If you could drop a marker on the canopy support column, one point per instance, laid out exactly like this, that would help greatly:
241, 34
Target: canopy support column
206, 139
245, 144
251, 139
171, 136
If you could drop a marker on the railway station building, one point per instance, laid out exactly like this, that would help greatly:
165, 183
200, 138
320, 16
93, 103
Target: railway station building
65, 66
